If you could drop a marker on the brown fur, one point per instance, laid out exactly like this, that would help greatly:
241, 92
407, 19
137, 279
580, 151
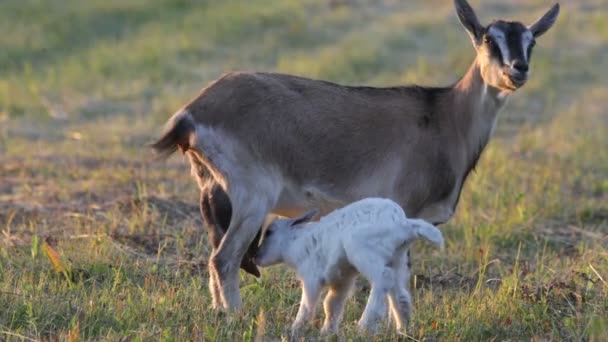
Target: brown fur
318, 132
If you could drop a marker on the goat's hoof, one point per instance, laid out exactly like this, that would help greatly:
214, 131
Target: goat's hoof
294, 335
225, 309
326, 332
219, 309
296, 330
367, 329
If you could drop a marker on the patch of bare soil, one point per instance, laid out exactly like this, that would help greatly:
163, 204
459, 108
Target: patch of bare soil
173, 211
568, 236
450, 279
165, 219
554, 292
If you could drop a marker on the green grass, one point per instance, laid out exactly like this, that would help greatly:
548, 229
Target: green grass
85, 84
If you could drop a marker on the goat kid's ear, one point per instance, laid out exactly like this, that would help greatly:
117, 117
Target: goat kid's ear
468, 19
305, 218
544, 23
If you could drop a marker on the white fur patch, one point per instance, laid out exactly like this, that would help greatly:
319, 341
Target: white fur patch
249, 182
499, 38
526, 40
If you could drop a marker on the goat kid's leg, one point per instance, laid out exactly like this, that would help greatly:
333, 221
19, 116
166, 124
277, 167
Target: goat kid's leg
382, 279
334, 304
400, 300
375, 309
308, 303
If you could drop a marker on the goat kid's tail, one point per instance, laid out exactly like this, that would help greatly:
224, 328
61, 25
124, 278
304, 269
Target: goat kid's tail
177, 134
424, 230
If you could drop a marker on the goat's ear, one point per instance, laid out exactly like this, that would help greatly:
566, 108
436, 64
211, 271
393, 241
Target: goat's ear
468, 19
544, 23
304, 218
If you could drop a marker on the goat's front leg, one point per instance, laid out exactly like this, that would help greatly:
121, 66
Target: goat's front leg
334, 304
310, 295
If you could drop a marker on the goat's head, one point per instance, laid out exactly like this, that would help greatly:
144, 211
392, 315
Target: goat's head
276, 239
503, 47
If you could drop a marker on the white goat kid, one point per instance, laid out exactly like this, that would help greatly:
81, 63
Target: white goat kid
371, 236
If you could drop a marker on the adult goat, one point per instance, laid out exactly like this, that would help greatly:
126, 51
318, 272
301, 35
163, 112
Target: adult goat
286, 144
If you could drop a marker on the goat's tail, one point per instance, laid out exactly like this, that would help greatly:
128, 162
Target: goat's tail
426, 231
177, 134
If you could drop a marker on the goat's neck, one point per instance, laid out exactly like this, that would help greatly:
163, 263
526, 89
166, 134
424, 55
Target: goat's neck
474, 108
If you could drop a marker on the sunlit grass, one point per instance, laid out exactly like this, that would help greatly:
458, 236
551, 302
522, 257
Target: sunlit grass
85, 85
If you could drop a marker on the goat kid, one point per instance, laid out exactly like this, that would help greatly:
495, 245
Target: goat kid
371, 236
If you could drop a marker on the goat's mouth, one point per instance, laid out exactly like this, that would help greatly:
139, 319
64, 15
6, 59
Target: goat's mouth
515, 80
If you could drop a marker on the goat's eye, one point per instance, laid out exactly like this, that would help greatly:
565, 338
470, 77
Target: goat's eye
268, 233
488, 40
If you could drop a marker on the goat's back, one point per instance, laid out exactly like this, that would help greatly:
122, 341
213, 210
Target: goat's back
347, 142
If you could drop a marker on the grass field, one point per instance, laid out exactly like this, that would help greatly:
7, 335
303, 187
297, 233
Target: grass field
84, 85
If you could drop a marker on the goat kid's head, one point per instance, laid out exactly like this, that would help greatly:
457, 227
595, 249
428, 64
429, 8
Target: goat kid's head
503, 47
276, 239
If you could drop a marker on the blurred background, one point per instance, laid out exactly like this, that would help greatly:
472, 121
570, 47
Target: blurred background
84, 85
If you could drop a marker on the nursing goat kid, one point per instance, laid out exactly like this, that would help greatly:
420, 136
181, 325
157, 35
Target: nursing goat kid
371, 236
283, 144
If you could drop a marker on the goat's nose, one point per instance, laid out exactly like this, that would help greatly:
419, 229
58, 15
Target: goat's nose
520, 66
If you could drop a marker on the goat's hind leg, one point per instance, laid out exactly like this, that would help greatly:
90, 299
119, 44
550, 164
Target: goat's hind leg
252, 191
252, 196
248, 216
214, 214
216, 211
214, 289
